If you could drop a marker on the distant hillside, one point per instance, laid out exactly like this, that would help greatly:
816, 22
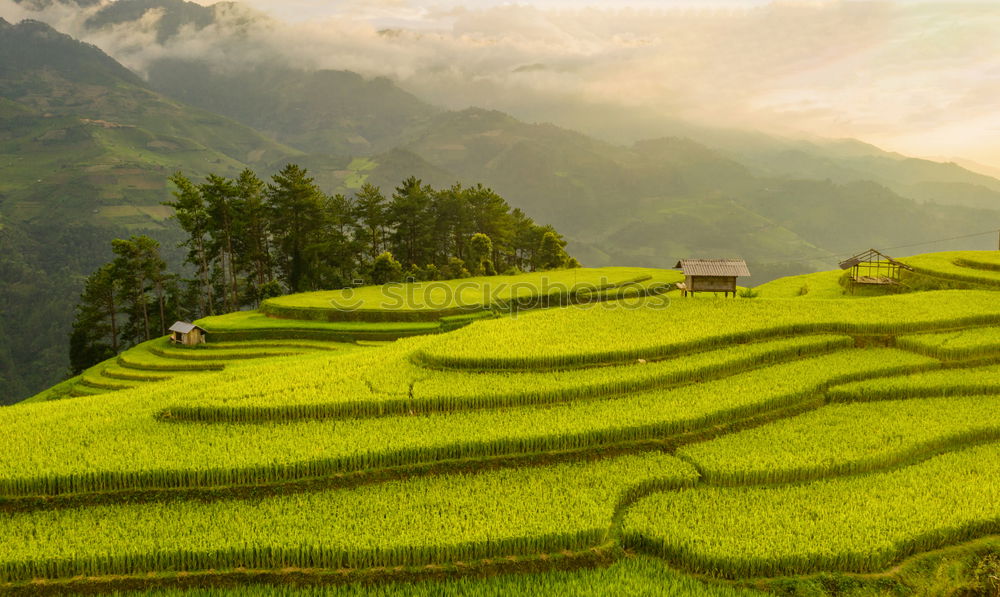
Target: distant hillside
86, 147
175, 13
330, 112
947, 181
662, 199
85, 150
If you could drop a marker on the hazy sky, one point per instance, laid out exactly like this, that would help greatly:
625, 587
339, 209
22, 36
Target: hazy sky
922, 78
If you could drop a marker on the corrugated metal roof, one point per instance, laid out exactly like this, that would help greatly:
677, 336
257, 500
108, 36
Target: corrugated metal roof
713, 267
184, 327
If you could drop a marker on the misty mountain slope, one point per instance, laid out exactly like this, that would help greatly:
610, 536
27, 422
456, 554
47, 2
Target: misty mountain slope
175, 14
773, 155
656, 201
333, 112
552, 173
33, 45
85, 152
850, 160
80, 133
667, 198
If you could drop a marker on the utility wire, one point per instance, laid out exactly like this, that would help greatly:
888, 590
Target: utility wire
847, 253
941, 240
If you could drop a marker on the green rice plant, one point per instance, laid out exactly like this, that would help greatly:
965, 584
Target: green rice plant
422, 520
840, 439
984, 260
568, 338
272, 344
632, 576
385, 382
955, 344
113, 443
141, 358
245, 326
187, 354
975, 267
970, 381
851, 524
103, 383
429, 301
80, 389
115, 371
820, 285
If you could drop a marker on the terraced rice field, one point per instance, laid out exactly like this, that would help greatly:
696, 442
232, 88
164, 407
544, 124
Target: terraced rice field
616, 447
966, 270
424, 301
159, 360
978, 268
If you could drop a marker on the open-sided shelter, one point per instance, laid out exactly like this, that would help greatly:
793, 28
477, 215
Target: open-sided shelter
875, 268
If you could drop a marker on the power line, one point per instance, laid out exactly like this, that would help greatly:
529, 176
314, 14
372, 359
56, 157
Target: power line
942, 240
847, 253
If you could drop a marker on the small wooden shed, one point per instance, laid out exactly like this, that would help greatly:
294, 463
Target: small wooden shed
711, 275
873, 267
186, 333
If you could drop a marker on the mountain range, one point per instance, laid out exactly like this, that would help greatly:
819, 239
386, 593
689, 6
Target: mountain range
86, 146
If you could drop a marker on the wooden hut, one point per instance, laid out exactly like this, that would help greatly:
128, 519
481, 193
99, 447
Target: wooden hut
186, 333
711, 275
875, 268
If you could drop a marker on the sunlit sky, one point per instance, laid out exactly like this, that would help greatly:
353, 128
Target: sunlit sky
384, 12
918, 77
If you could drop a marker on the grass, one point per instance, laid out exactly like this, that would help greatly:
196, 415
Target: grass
386, 382
950, 382
160, 360
821, 285
246, 326
857, 524
255, 320
956, 344
634, 576
432, 300
842, 439
118, 445
975, 267
734, 438
565, 338
410, 522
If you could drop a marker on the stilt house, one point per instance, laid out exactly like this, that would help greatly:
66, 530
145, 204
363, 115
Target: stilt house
187, 333
711, 275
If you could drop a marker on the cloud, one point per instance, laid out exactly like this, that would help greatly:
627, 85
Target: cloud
891, 73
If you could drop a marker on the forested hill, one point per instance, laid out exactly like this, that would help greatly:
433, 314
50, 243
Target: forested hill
85, 151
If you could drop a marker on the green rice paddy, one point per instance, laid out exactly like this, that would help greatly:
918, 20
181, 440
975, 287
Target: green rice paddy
635, 439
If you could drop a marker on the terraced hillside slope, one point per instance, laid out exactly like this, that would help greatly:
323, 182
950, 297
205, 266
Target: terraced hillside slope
705, 446
344, 320
86, 148
964, 270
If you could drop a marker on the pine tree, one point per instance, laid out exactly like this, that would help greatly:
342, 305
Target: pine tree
95, 328
192, 215
296, 216
370, 219
408, 215
222, 206
252, 241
